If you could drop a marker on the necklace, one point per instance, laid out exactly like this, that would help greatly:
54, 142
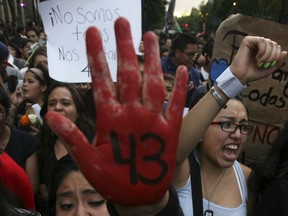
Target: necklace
209, 212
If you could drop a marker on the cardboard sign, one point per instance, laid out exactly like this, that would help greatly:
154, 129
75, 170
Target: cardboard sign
266, 100
65, 23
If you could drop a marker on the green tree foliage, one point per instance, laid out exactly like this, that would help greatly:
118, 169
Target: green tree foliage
193, 21
213, 12
153, 14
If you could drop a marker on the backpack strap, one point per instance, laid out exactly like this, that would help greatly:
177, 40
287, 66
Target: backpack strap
196, 187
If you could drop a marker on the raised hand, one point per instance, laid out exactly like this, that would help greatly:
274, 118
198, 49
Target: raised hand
256, 58
132, 159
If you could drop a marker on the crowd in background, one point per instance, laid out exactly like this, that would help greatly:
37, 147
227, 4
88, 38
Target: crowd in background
28, 92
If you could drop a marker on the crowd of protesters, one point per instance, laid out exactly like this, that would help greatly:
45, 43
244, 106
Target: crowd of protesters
36, 168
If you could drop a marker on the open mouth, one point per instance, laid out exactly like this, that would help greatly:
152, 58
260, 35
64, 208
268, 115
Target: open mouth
25, 91
230, 151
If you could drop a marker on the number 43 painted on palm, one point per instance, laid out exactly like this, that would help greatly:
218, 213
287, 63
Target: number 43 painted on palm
136, 175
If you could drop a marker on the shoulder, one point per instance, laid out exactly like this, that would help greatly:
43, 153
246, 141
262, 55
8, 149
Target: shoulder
168, 66
14, 72
246, 170
23, 134
24, 137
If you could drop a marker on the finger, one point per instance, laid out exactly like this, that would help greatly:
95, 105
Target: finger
102, 84
128, 74
71, 136
264, 52
278, 63
176, 104
153, 86
269, 52
281, 59
276, 55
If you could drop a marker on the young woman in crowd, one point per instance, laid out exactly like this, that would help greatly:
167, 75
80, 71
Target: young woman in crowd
32, 92
71, 194
223, 180
142, 156
66, 100
269, 179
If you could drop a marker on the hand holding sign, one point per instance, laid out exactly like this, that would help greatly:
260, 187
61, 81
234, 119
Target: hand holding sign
133, 157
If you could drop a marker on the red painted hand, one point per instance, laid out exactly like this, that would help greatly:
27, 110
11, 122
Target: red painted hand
133, 157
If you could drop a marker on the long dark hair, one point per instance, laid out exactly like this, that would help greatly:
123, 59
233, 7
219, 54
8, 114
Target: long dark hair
44, 80
63, 167
83, 122
274, 166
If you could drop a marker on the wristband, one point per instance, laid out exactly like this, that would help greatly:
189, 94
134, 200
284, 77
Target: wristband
229, 84
218, 98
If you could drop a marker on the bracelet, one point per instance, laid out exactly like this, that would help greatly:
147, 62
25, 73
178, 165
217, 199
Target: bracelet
218, 98
229, 84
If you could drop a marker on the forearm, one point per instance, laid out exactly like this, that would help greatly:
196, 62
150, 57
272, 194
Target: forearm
196, 122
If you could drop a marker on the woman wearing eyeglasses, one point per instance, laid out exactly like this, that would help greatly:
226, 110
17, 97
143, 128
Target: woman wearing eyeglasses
131, 164
223, 179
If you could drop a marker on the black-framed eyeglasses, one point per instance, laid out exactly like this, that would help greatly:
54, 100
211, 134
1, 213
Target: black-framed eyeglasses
231, 127
190, 54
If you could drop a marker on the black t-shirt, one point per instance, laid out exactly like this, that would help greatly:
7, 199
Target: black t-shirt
21, 146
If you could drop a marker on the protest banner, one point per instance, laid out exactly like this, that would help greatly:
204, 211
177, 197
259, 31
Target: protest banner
266, 100
65, 23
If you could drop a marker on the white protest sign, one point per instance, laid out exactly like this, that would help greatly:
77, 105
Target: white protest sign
65, 23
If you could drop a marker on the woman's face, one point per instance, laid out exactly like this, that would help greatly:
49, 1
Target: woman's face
60, 100
220, 147
32, 89
41, 59
75, 196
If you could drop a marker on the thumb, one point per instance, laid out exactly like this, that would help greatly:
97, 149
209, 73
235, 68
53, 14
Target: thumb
74, 140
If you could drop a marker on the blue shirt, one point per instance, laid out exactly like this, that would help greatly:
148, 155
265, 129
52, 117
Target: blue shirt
169, 67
